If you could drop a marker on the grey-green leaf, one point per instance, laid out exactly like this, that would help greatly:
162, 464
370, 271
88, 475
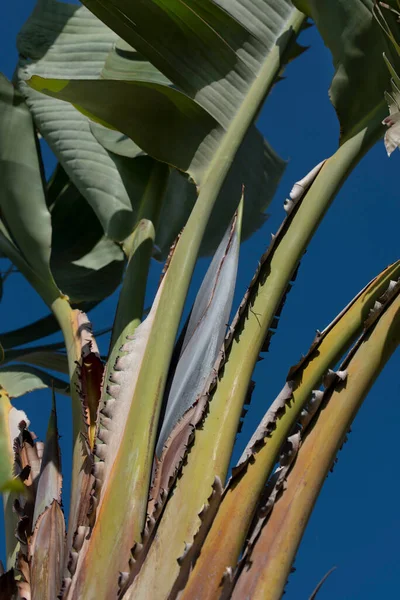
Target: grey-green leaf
22, 199
244, 54
86, 265
50, 478
40, 357
205, 330
125, 63
356, 42
18, 380
61, 39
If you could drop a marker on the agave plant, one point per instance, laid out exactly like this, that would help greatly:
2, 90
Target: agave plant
150, 108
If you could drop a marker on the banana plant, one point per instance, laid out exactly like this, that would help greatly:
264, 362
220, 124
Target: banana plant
164, 96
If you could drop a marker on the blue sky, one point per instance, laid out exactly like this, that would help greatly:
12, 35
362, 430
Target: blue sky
356, 523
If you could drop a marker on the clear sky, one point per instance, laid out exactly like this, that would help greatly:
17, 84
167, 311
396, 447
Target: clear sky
356, 523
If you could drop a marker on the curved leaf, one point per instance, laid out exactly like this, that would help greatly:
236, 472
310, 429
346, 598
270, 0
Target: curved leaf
86, 265
125, 63
41, 357
22, 199
205, 331
356, 42
64, 39
18, 380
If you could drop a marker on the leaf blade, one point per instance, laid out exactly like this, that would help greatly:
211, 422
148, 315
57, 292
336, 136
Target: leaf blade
22, 200
21, 379
205, 330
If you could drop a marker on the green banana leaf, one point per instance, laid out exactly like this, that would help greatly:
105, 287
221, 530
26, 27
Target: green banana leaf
357, 42
114, 183
86, 265
260, 176
26, 220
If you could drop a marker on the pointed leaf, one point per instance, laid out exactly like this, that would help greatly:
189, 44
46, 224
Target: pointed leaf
47, 553
50, 479
205, 330
230, 528
271, 558
178, 524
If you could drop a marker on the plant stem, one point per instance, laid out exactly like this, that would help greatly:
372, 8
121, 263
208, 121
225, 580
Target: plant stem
231, 391
228, 532
274, 552
211, 452
140, 431
66, 318
139, 247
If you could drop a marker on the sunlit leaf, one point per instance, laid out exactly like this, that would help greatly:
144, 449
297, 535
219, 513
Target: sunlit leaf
21, 379
205, 331
356, 42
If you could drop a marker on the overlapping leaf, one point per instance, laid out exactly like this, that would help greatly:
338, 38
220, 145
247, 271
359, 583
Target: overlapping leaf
356, 42
261, 179
61, 38
86, 265
121, 180
50, 479
205, 331
22, 199
268, 558
134, 405
278, 426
